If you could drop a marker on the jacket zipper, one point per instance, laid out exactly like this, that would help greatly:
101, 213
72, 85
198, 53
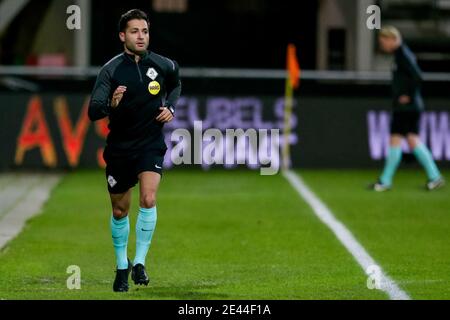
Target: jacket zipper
139, 71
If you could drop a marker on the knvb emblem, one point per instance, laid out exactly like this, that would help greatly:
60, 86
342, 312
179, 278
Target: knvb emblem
112, 182
151, 73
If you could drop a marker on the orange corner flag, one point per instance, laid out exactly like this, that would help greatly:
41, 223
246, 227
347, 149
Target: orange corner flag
292, 65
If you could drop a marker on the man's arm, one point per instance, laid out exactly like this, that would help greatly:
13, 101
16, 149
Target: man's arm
173, 85
412, 66
99, 105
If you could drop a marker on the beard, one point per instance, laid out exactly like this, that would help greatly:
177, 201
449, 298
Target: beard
136, 51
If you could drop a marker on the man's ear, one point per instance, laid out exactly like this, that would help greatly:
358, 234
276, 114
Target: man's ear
122, 36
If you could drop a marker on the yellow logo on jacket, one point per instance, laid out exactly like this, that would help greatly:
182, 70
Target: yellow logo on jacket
154, 87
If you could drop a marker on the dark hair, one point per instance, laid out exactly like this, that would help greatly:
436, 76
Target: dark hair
130, 15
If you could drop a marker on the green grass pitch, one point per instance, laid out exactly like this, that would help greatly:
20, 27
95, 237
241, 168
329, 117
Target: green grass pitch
238, 235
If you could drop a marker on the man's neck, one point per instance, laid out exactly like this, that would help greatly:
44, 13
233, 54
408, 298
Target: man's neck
137, 57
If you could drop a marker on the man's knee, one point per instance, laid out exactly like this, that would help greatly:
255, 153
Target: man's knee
396, 140
413, 140
119, 212
148, 200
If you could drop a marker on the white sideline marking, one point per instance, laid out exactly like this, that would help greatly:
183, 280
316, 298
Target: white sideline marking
344, 235
13, 187
22, 198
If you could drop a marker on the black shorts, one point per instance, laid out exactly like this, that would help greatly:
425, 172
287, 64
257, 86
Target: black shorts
404, 122
122, 171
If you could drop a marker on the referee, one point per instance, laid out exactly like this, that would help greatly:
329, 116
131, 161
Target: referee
138, 90
407, 108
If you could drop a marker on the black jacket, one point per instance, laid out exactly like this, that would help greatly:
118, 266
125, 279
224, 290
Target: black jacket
406, 80
151, 83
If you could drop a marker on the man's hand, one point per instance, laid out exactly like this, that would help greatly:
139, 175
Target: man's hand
165, 115
404, 99
117, 96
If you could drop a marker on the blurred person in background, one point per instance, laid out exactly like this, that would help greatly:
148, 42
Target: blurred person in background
407, 108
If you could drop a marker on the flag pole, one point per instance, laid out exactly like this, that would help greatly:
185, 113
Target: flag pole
288, 102
292, 82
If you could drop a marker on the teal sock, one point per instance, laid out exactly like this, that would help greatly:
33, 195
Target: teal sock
120, 228
145, 226
423, 155
392, 161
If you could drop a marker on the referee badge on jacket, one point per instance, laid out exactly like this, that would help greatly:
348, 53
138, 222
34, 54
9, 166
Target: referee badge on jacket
151, 73
154, 87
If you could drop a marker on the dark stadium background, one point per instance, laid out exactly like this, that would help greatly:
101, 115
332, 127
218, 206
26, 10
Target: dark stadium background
236, 35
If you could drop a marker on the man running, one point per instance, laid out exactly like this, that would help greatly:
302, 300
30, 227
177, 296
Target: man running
138, 90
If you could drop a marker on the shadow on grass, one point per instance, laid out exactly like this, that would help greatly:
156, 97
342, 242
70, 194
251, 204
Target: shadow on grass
187, 292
